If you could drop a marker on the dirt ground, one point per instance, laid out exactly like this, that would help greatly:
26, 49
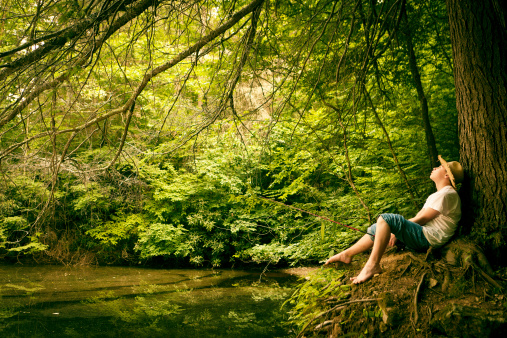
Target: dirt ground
439, 294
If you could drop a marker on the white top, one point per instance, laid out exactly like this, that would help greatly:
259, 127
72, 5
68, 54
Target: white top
440, 229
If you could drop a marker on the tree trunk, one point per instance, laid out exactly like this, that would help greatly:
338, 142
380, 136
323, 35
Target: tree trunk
478, 36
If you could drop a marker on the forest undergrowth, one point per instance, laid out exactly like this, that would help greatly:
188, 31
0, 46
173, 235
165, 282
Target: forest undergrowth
443, 293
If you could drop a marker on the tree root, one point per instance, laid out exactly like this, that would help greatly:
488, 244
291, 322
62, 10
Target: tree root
423, 263
466, 251
428, 252
487, 277
416, 295
335, 299
470, 256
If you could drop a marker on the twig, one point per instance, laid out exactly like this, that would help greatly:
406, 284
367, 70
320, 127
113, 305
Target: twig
264, 271
323, 325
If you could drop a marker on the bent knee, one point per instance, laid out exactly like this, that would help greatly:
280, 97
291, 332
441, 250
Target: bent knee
382, 222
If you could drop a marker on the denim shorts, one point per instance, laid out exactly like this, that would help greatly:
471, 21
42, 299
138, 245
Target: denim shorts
409, 233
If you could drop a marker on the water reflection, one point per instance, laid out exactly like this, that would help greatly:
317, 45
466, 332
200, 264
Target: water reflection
48, 301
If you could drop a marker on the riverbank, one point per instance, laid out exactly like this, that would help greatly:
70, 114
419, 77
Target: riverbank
417, 295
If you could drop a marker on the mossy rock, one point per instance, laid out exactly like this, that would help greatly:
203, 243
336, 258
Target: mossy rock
467, 321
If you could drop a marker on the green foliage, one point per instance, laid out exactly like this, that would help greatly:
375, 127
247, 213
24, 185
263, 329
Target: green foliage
29, 248
163, 239
90, 198
306, 301
19, 206
15, 223
119, 228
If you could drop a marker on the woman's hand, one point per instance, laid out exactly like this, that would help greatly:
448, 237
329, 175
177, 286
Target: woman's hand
392, 240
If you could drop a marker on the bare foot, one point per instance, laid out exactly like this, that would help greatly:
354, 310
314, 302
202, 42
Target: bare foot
368, 272
341, 257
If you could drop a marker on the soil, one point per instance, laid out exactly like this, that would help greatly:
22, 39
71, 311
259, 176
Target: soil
420, 295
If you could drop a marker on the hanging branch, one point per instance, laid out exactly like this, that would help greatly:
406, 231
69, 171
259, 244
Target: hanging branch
308, 100
298, 50
347, 42
388, 139
123, 137
371, 53
29, 95
350, 179
149, 76
59, 39
246, 51
54, 180
244, 57
414, 69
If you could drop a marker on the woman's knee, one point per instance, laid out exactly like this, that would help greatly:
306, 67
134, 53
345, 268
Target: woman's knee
382, 222
395, 222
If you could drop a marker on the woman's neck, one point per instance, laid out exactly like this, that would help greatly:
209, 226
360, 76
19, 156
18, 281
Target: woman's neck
443, 184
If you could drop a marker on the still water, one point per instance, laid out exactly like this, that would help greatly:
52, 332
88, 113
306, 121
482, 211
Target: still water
52, 301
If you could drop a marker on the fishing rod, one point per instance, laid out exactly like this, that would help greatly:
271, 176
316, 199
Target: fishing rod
308, 212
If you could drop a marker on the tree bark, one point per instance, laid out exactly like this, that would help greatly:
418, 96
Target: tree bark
478, 35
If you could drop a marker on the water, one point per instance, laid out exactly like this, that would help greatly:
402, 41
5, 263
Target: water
52, 301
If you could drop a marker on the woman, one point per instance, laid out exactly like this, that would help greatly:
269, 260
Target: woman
433, 226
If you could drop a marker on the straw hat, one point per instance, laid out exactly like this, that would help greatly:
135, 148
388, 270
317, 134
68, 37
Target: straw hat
454, 171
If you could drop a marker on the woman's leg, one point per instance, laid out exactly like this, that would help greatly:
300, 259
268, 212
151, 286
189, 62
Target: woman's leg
372, 266
345, 256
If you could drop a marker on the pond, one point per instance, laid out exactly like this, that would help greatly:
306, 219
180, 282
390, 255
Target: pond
53, 301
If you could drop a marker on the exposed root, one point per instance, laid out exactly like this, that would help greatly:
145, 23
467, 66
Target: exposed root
430, 250
416, 296
487, 277
402, 288
423, 263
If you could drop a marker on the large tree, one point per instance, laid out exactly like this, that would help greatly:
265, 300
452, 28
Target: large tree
478, 34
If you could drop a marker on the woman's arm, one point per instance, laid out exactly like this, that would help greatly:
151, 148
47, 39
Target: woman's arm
424, 216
